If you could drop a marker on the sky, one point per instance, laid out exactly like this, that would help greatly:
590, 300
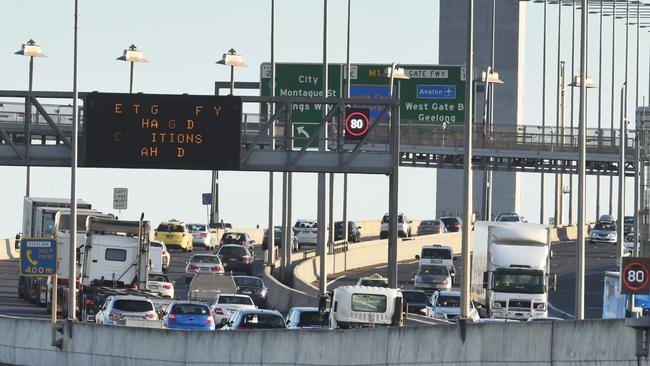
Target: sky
183, 40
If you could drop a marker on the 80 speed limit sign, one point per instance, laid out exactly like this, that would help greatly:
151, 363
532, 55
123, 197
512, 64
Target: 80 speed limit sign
357, 123
635, 275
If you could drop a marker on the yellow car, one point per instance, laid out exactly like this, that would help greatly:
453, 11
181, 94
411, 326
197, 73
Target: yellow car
174, 233
375, 280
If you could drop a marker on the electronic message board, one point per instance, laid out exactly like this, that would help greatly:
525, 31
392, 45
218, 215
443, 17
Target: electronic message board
161, 131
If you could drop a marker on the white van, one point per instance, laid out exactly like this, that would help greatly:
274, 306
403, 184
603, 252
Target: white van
364, 306
438, 254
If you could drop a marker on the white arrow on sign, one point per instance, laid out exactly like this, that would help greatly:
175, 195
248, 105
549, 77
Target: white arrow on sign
301, 131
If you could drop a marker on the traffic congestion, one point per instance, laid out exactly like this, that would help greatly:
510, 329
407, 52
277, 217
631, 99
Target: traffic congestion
197, 277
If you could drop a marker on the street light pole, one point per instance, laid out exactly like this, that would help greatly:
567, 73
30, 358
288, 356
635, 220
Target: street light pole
636, 134
558, 113
347, 95
573, 62
611, 133
321, 231
541, 184
467, 166
580, 242
621, 180
72, 289
600, 99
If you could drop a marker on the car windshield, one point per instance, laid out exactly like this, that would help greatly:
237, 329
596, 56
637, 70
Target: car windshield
606, 226
369, 303
197, 227
314, 319
509, 218
238, 300
506, 280
205, 259
171, 228
374, 283
156, 244
193, 309
629, 219
158, 278
415, 297
433, 270
135, 306
233, 238
248, 281
262, 321
427, 223
448, 301
449, 220
436, 253
306, 224
233, 251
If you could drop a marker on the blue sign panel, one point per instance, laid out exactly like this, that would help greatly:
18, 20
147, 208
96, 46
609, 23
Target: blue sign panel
436, 92
371, 92
38, 257
207, 198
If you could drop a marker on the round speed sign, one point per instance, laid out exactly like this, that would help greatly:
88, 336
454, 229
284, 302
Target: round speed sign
356, 124
635, 276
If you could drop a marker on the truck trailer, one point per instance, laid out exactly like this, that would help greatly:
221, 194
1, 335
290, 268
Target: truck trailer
510, 270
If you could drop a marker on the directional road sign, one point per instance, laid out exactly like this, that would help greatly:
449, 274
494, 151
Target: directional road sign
432, 95
635, 274
38, 257
120, 198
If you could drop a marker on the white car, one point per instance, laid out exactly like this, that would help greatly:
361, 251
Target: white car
159, 283
445, 305
156, 245
201, 235
118, 309
403, 226
306, 232
227, 304
307, 317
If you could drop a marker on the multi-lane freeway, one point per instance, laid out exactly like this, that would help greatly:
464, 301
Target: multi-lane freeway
600, 258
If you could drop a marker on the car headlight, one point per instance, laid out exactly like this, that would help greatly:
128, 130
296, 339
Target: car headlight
439, 316
418, 279
496, 305
540, 306
611, 235
446, 281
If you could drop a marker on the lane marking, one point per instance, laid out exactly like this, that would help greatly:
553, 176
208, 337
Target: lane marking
336, 279
560, 311
380, 267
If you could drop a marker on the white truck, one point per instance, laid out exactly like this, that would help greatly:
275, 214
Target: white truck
364, 306
510, 270
114, 261
39, 216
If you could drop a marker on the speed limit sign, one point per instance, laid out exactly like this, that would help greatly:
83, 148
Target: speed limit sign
635, 275
357, 123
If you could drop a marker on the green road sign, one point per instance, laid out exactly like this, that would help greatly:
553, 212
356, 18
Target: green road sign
434, 95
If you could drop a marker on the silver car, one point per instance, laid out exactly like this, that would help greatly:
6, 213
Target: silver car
204, 264
201, 235
431, 277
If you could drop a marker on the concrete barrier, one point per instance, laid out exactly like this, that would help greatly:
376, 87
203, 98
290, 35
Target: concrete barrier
585, 343
282, 297
566, 233
7, 250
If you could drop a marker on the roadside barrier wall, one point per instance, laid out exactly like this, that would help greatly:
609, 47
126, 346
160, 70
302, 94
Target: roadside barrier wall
585, 343
7, 250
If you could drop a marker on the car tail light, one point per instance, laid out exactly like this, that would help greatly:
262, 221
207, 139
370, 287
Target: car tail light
164, 251
33, 281
245, 243
172, 317
208, 320
149, 315
218, 311
114, 315
192, 267
216, 269
167, 286
221, 241
457, 226
400, 220
90, 302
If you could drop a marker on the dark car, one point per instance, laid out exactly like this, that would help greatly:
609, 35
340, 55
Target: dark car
277, 239
220, 225
233, 237
628, 224
354, 233
236, 259
427, 227
255, 319
253, 287
416, 300
452, 224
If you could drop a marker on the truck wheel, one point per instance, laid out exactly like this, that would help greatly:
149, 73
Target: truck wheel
37, 299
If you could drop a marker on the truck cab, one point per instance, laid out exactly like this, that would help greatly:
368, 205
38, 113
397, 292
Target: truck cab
364, 306
438, 254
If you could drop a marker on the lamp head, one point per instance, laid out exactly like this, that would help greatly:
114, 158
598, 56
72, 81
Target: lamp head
31, 49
